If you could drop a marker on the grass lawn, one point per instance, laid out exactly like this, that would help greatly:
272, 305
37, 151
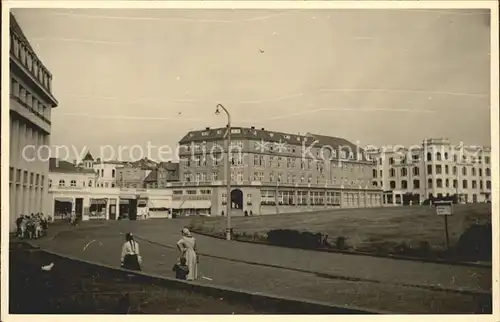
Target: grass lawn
78, 288
364, 228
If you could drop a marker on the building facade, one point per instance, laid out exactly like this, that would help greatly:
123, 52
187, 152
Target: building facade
131, 176
163, 174
435, 169
31, 101
271, 172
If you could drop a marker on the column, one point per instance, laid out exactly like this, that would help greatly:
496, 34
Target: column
342, 199
108, 203
295, 192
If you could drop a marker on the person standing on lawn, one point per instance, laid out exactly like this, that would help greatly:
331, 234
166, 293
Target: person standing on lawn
131, 259
187, 249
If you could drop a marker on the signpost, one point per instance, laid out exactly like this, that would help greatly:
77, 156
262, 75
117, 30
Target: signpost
445, 209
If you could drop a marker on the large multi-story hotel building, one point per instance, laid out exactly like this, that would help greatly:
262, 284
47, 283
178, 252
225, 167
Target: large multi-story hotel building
31, 101
435, 169
271, 172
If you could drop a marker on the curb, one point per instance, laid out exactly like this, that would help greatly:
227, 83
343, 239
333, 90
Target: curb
395, 257
255, 298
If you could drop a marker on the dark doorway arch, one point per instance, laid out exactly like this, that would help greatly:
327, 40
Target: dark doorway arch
237, 199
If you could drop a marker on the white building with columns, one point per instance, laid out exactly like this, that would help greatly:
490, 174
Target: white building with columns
30, 104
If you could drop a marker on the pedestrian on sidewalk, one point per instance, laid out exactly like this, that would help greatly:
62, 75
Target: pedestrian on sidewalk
131, 258
187, 249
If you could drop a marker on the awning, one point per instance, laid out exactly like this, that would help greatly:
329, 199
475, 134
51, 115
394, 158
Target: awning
98, 201
63, 199
160, 203
191, 204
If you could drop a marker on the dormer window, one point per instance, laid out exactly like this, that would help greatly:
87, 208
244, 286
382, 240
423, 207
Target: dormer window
219, 131
204, 133
271, 134
298, 138
235, 131
191, 135
287, 136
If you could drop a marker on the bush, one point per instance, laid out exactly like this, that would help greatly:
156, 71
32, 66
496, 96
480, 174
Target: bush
294, 238
341, 243
475, 243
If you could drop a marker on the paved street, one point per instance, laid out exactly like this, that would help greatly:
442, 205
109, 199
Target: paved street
367, 282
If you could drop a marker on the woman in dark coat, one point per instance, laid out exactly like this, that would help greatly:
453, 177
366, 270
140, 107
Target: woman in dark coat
131, 259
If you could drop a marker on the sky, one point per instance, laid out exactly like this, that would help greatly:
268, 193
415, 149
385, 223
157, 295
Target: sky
375, 77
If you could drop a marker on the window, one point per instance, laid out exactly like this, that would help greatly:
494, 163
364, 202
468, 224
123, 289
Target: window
61, 183
404, 184
112, 185
106, 184
429, 169
487, 160
474, 184
454, 170
113, 173
464, 184
439, 183
392, 184
446, 155
404, 172
416, 184
416, 171
429, 156
473, 171
487, 171
391, 161
447, 183
455, 158
374, 173
374, 183
73, 183
392, 172
438, 156
429, 183
439, 169
90, 183
488, 185
480, 172
50, 183
480, 184
464, 171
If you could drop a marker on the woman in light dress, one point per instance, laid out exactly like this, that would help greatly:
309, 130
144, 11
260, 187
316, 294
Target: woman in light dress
187, 249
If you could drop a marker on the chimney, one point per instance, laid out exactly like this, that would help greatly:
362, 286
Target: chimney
252, 127
263, 129
207, 128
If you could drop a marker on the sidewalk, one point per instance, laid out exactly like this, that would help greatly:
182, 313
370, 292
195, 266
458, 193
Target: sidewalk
378, 296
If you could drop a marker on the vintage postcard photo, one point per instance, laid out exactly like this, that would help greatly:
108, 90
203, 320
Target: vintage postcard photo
298, 159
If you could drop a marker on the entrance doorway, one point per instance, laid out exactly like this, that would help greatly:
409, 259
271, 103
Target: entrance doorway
79, 208
236, 199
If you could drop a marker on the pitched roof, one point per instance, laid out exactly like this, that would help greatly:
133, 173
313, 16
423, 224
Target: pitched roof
88, 157
246, 133
61, 166
172, 166
152, 176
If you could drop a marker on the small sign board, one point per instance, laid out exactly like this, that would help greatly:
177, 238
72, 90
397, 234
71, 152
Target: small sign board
444, 208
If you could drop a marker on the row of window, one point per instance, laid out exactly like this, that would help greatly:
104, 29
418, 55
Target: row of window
438, 157
25, 177
438, 170
21, 51
440, 183
27, 99
262, 146
100, 172
73, 183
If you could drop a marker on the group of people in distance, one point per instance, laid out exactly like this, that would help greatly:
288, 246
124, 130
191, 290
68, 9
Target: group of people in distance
32, 226
186, 267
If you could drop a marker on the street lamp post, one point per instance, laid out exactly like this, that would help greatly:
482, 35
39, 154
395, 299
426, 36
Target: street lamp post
228, 170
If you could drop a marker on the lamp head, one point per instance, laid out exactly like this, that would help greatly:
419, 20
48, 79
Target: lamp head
217, 111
